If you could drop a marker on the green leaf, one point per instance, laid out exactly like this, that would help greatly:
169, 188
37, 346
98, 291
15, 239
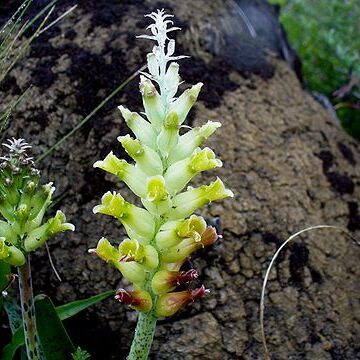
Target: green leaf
63, 311
68, 310
4, 279
54, 339
10, 349
4, 275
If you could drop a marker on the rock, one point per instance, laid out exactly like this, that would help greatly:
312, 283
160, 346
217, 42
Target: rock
288, 163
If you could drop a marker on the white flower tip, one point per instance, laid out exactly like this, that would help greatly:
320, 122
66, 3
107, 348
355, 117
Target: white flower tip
229, 193
98, 164
216, 124
70, 227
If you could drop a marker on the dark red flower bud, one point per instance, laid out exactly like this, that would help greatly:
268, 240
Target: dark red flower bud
137, 299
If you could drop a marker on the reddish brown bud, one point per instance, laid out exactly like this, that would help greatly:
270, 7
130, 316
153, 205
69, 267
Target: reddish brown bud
185, 277
124, 297
198, 293
138, 299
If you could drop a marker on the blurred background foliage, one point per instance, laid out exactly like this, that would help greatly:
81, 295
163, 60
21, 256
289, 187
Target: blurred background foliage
326, 35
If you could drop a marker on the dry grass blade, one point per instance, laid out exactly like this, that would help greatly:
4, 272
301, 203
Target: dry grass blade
66, 13
25, 46
12, 23
292, 237
12, 48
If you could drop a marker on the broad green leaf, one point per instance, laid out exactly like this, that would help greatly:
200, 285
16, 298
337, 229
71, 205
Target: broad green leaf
10, 349
64, 312
54, 339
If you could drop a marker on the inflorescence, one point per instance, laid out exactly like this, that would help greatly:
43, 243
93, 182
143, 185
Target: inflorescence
165, 232
23, 204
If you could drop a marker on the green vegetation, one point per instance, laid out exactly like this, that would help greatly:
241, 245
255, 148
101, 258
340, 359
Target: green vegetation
325, 33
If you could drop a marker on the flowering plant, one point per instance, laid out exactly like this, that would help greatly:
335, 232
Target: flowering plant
164, 233
23, 205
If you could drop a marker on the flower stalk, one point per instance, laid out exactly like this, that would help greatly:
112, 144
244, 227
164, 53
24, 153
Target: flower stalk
143, 338
33, 346
163, 233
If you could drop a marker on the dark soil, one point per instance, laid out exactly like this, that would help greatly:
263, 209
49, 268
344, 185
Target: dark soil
288, 163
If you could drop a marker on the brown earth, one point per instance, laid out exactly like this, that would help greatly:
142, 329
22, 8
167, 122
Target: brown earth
289, 164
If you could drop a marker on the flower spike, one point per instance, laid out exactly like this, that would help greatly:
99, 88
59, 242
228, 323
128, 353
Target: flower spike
23, 205
24, 202
165, 232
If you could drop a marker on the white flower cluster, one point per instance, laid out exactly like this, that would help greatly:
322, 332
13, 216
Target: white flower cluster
167, 77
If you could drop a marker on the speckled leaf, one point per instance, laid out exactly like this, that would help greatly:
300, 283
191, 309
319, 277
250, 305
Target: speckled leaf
13, 311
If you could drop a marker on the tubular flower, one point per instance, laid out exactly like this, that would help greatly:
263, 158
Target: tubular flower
170, 303
164, 233
137, 299
23, 205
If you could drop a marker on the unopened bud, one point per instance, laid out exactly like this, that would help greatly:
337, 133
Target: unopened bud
153, 105
138, 299
185, 102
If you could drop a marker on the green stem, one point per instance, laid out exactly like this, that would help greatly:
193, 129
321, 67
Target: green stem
33, 349
144, 334
146, 323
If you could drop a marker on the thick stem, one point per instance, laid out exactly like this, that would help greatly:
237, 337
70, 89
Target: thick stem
33, 349
144, 334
